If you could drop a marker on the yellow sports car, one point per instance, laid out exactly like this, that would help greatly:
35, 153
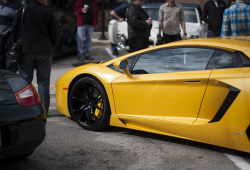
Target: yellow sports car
194, 89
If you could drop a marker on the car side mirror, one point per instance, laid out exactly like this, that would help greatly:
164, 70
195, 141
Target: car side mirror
123, 64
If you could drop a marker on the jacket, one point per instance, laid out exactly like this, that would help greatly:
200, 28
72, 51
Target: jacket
78, 10
136, 18
40, 30
7, 14
212, 15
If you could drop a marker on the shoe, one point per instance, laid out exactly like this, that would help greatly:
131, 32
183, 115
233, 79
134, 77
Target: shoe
89, 58
115, 52
81, 58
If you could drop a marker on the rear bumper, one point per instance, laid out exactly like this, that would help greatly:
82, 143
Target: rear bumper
22, 134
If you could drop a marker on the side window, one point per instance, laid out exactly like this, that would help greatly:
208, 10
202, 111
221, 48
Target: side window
173, 60
223, 59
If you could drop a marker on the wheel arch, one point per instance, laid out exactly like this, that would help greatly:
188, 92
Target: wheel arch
86, 75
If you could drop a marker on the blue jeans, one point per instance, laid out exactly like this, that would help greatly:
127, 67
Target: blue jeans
211, 34
42, 63
84, 33
113, 46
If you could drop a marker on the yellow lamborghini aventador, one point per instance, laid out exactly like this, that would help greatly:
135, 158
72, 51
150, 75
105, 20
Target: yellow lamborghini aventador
194, 89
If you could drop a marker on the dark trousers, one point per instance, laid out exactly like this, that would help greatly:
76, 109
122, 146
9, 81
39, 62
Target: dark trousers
171, 38
5, 43
213, 34
42, 64
136, 44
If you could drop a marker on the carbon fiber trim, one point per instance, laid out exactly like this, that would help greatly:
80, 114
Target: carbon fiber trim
231, 96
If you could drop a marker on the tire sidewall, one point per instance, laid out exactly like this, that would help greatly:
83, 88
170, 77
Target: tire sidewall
105, 118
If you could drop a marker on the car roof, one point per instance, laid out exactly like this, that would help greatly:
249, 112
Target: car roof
234, 43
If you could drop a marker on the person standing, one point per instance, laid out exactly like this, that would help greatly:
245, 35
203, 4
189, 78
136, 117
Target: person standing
39, 36
236, 20
87, 19
213, 15
119, 14
9, 9
139, 26
171, 16
231, 3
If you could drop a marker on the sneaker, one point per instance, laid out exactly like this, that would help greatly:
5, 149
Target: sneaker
115, 52
89, 58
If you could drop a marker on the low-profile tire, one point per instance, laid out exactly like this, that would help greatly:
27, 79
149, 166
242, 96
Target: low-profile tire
89, 105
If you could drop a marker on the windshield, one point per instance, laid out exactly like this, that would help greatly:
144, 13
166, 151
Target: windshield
152, 13
189, 14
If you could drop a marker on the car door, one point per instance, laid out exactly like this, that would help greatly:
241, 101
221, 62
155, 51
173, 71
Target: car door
167, 85
228, 79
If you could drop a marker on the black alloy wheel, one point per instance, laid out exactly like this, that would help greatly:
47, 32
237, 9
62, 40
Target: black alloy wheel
88, 104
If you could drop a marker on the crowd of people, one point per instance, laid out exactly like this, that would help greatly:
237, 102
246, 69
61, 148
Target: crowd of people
40, 30
232, 19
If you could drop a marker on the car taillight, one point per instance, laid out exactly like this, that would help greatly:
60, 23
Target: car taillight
28, 96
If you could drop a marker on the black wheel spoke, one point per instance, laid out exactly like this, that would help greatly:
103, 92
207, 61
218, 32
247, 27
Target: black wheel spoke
87, 104
84, 94
90, 92
97, 98
76, 98
82, 115
89, 117
81, 94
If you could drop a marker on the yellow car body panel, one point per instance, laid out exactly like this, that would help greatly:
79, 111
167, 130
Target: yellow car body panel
179, 104
161, 95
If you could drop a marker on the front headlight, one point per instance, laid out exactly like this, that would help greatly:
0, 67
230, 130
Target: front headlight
121, 41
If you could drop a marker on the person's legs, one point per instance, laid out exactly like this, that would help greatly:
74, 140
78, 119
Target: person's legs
43, 65
131, 45
114, 48
26, 67
89, 34
176, 37
137, 44
167, 38
80, 38
144, 43
211, 34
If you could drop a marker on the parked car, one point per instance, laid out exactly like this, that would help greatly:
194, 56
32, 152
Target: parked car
195, 89
22, 117
67, 39
195, 28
